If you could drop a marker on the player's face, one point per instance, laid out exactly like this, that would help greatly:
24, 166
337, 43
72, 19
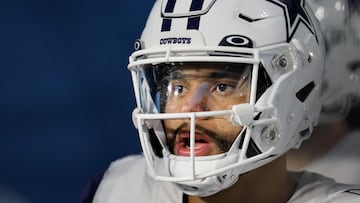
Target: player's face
204, 88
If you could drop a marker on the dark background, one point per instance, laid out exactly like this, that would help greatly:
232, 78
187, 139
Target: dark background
66, 94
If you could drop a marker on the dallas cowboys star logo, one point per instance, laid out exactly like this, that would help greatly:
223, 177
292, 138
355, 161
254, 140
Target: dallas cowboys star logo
295, 14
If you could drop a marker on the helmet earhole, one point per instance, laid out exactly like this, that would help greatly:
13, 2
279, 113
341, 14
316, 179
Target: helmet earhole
269, 134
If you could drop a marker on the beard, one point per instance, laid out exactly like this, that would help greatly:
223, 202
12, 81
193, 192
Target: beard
220, 141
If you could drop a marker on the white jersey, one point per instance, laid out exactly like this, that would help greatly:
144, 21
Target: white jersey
126, 180
342, 162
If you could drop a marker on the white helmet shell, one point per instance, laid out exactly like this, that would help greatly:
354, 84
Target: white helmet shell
282, 42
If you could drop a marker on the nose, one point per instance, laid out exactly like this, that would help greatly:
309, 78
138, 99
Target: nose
198, 100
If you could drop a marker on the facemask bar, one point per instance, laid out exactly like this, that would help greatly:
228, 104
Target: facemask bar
242, 160
201, 54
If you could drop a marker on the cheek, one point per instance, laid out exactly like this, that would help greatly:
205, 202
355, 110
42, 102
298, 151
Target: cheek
228, 103
171, 123
226, 128
173, 107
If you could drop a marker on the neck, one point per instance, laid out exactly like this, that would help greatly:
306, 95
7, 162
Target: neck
269, 183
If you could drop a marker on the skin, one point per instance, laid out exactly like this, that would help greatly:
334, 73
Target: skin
204, 92
269, 183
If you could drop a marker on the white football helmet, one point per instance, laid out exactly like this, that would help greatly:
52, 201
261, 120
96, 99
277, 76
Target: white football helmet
340, 22
274, 44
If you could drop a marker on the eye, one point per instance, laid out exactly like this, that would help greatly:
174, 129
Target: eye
224, 88
178, 89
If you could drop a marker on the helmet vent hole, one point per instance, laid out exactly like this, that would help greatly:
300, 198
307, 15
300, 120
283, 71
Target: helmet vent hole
221, 178
305, 91
305, 132
249, 19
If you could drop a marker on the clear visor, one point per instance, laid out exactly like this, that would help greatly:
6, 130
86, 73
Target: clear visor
196, 87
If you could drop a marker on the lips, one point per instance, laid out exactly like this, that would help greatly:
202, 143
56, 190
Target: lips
203, 144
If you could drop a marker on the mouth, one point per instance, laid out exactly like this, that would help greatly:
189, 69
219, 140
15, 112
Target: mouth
203, 144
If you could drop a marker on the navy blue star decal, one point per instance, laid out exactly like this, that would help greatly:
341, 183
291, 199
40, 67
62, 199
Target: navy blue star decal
295, 13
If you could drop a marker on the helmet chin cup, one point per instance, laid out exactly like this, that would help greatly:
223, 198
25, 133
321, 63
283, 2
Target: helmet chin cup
194, 178
208, 186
